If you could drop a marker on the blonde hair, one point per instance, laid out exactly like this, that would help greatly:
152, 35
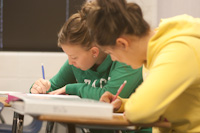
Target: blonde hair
75, 32
109, 19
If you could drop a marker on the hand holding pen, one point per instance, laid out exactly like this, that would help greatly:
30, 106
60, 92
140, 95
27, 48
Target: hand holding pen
41, 86
110, 98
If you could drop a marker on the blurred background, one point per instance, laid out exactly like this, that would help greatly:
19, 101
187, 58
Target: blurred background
28, 37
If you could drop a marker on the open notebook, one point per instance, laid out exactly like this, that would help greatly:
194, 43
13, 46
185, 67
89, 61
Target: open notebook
64, 105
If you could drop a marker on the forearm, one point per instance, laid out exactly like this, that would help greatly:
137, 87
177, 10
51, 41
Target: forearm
85, 91
62, 78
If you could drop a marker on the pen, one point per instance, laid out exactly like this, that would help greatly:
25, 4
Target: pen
119, 90
43, 75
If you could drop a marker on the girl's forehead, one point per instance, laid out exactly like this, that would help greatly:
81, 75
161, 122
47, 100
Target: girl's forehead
73, 49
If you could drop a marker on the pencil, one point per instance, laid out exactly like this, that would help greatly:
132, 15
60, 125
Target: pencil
43, 74
119, 90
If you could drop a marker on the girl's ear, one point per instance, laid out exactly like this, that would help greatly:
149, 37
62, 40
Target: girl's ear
122, 43
95, 51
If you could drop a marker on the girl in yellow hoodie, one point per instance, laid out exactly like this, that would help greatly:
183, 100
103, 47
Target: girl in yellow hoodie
170, 55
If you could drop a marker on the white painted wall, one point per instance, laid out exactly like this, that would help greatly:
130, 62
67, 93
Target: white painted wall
154, 10
170, 8
18, 70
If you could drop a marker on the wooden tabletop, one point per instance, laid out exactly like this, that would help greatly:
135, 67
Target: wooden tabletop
117, 120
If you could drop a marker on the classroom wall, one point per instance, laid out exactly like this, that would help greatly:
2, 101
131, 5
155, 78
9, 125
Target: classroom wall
18, 70
170, 8
154, 10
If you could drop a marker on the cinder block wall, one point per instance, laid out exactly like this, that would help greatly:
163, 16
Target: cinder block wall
18, 70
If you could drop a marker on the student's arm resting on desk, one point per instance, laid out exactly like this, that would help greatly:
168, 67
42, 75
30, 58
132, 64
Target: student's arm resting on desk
58, 81
118, 103
174, 69
41, 86
63, 77
118, 73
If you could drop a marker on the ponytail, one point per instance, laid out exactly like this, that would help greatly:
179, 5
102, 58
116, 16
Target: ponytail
109, 19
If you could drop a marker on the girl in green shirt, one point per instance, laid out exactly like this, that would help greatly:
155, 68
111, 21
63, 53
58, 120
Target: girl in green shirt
88, 72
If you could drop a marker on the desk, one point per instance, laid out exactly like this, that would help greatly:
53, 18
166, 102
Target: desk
2, 100
17, 118
118, 122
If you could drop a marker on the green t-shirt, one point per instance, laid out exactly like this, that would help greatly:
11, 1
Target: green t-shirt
92, 84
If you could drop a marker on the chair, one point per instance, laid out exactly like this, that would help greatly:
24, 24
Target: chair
1, 108
49, 126
33, 127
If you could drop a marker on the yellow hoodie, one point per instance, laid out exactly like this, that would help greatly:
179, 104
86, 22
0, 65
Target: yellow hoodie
171, 89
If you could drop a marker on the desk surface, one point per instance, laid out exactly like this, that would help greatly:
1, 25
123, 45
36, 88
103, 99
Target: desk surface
117, 120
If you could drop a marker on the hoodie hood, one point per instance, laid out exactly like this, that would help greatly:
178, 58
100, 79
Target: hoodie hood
176, 29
